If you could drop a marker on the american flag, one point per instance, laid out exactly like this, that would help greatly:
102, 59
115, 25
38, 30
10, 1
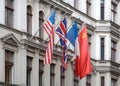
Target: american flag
49, 28
61, 32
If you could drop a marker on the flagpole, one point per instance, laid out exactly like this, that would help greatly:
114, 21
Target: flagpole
81, 27
42, 24
60, 20
70, 25
56, 26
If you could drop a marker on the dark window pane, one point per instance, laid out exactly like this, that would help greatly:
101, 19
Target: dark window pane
102, 9
113, 11
113, 82
8, 66
41, 20
88, 80
62, 77
52, 74
102, 81
41, 66
29, 69
9, 12
29, 20
9, 3
75, 80
102, 48
88, 7
113, 50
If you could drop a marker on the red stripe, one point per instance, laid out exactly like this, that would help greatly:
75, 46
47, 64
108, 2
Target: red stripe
63, 28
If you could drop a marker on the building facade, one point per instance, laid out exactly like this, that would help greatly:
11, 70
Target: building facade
23, 42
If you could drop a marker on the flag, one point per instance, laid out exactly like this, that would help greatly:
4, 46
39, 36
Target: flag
77, 57
61, 32
72, 34
49, 28
84, 66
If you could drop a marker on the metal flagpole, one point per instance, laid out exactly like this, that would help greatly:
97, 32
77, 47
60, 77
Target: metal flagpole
56, 27
42, 24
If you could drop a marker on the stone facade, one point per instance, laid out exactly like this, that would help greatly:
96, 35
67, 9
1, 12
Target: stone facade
16, 39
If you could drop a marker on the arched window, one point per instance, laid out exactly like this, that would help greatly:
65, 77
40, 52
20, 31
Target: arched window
29, 19
41, 20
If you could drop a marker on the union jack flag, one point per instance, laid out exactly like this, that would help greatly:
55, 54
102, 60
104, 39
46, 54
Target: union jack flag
61, 32
49, 28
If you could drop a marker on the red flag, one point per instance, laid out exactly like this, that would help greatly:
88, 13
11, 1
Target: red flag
85, 66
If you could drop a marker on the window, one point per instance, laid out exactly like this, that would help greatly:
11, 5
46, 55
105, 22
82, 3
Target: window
52, 74
113, 50
88, 80
76, 3
89, 42
41, 66
29, 19
88, 7
102, 81
8, 66
113, 11
102, 48
9, 13
102, 9
41, 20
62, 81
75, 80
29, 69
113, 82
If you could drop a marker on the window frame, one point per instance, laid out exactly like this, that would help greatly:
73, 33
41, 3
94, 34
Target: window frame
113, 81
113, 50
29, 19
102, 10
102, 81
88, 7
41, 20
41, 71
9, 63
9, 9
29, 70
62, 77
113, 11
75, 79
52, 74
102, 47
88, 80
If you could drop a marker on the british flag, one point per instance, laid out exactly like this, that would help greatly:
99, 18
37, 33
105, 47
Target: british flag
49, 28
61, 32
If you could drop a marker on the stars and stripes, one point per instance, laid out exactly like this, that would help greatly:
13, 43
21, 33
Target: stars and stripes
49, 28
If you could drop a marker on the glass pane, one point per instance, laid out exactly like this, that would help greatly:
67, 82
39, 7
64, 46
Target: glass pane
9, 17
29, 24
102, 48
29, 61
102, 81
9, 3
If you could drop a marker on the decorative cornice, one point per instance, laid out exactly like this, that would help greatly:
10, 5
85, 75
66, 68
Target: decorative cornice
57, 5
10, 39
111, 66
40, 46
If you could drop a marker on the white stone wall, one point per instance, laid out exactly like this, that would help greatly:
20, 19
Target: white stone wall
19, 69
